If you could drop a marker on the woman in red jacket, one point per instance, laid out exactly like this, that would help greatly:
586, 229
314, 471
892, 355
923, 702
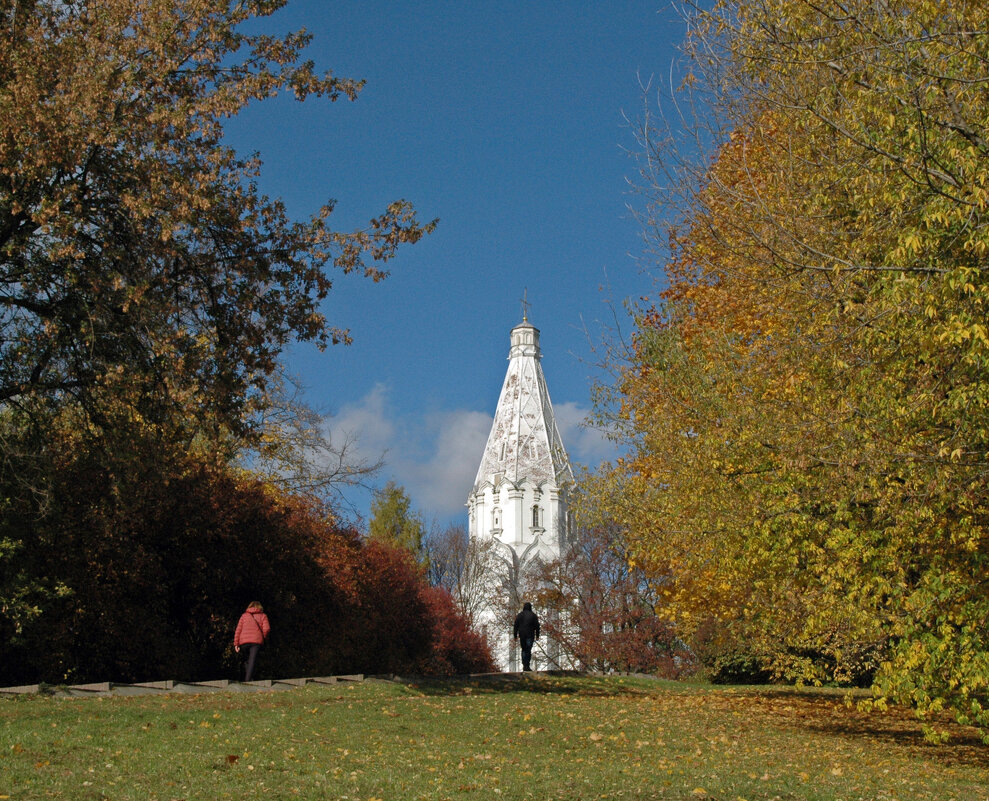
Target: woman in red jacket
252, 630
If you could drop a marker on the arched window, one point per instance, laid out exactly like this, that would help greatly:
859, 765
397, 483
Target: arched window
536, 516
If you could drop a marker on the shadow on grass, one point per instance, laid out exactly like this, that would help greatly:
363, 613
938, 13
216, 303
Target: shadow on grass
825, 712
540, 683
821, 711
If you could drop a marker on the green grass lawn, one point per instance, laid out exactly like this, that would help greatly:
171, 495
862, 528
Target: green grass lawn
540, 738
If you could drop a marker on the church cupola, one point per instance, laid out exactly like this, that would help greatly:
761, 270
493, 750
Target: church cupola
525, 341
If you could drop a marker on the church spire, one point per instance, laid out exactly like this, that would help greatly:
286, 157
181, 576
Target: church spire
524, 442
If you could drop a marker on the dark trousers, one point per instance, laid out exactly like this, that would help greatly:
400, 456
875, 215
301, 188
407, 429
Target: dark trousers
249, 653
526, 643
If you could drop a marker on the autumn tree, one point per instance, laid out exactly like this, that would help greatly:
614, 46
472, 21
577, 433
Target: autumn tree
806, 405
147, 287
142, 575
296, 450
598, 608
396, 523
141, 269
601, 612
469, 568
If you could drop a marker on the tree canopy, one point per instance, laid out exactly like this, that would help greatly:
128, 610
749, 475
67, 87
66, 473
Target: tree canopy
396, 523
140, 265
147, 291
807, 405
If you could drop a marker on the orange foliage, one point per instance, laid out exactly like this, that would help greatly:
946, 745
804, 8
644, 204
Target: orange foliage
159, 566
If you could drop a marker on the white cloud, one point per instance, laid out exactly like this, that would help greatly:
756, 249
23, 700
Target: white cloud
435, 455
453, 442
586, 445
368, 420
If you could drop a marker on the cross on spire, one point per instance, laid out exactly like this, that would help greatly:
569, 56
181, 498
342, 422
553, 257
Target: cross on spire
525, 305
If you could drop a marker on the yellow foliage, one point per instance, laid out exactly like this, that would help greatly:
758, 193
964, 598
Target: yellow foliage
813, 388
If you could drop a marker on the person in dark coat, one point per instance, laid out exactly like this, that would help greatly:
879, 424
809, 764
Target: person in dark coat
526, 631
252, 631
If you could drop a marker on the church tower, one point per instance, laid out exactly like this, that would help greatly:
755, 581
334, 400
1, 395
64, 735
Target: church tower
519, 502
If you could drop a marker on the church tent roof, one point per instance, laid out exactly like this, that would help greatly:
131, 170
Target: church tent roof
524, 443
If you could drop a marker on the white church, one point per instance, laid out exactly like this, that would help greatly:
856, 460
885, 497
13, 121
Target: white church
519, 501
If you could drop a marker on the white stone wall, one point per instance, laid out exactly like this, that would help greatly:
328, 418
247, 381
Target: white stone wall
505, 513
518, 515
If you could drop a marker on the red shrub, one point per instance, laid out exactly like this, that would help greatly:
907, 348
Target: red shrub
159, 566
455, 647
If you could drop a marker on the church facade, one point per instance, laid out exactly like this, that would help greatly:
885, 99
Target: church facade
519, 502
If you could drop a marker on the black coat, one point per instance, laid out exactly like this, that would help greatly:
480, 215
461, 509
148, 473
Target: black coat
526, 624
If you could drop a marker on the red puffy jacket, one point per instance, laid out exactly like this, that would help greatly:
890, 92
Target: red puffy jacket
252, 628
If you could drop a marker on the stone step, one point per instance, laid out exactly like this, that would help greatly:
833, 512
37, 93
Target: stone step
144, 688
104, 688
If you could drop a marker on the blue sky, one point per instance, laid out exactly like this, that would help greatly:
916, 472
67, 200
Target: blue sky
508, 122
